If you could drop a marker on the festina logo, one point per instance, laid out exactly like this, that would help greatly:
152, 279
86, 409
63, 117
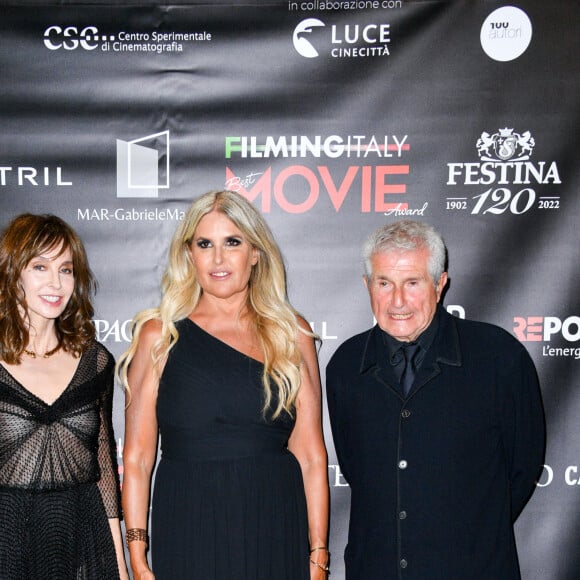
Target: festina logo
505, 157
519, 172
505, 145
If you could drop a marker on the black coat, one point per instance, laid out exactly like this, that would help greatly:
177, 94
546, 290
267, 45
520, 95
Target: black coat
438, 479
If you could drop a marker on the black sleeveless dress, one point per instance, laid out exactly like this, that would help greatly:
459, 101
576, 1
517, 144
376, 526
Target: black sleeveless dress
228, 501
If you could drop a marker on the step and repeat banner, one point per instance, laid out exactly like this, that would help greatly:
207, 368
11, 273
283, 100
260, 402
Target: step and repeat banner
332, 118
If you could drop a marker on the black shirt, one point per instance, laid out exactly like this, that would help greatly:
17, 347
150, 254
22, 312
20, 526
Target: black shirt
392, 347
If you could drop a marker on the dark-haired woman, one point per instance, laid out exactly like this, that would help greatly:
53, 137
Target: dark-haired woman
59, 488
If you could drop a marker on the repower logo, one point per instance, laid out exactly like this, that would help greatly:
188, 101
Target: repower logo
546, 329
311, 38
543, 328
143, 165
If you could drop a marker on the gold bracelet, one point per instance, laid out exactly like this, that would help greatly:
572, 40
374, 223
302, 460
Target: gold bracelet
320, 548
325, 568
136, 534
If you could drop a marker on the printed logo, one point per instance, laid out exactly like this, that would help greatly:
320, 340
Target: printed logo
506, 33
90, 38
142, 170
346, 41
546, 329
302, 45
143, 166
377, 173
505, 145
342, 5
113, 330
570, 476
26, 176
504, 161
71, 38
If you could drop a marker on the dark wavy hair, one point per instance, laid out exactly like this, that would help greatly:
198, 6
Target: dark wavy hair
26, 237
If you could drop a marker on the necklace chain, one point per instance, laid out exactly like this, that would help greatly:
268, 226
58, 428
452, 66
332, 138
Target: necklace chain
47, 354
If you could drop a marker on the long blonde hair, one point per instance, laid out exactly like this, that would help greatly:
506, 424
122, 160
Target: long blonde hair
274, 319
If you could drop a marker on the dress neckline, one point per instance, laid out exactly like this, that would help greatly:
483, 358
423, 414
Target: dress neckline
225, 344
40, 399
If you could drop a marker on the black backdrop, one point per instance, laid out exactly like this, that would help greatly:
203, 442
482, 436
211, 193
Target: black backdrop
332, 118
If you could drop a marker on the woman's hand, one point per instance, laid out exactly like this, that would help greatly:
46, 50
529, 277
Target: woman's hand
318, 571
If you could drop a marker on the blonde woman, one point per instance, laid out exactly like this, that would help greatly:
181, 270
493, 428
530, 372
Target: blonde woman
226, 373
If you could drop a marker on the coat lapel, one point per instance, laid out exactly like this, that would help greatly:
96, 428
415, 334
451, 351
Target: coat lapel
445, 350
375, 362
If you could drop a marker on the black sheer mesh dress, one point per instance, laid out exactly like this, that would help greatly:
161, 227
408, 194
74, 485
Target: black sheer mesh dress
58, 477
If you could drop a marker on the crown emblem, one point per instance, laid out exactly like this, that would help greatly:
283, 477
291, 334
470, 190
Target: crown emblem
505, 145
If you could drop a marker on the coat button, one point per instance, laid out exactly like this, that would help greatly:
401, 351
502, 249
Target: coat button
403, 515
402, 464
405, 413
403, 563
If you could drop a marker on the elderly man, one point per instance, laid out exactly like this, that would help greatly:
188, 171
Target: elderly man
437, 423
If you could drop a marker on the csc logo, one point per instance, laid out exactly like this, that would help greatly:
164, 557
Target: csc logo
542, 328
70, 38
302, 45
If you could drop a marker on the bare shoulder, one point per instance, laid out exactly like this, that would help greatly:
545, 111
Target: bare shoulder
305, 336
147, 338
151, 329
149, 334
307, 346
304, 326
